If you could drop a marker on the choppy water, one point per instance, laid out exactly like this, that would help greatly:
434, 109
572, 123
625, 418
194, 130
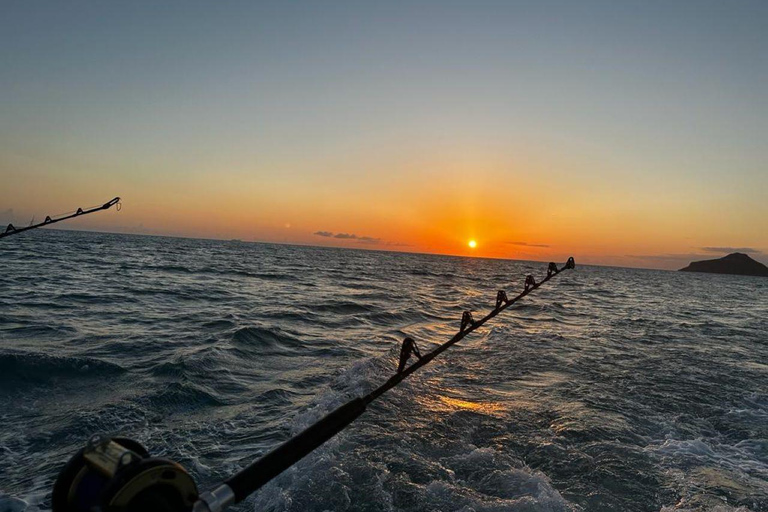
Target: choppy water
609, 389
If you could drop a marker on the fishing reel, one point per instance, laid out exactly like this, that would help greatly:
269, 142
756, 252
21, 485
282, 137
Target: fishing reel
119, 475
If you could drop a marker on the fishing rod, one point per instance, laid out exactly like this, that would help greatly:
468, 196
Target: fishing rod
119, 475
11, 230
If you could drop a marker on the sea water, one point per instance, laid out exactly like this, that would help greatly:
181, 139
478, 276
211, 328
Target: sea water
606, 389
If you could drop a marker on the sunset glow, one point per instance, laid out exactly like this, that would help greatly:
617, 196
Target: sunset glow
472, 244
635, 144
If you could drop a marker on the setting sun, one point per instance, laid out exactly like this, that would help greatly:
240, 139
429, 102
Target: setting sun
472, 244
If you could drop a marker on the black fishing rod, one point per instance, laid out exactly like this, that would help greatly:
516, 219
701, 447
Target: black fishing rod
119, 475
11, 230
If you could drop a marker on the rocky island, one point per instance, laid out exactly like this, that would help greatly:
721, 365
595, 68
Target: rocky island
736, 263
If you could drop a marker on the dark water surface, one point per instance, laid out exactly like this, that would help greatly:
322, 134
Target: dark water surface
609, 389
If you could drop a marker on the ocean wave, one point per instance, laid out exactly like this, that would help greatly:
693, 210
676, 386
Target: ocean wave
265, 341
704, 469
606, 389
24, 368
343, 308
218, 324
177, 397
182, 269
397, 318
266, 276
338, 477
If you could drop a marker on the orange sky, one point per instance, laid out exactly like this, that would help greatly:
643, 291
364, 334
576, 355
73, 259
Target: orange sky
621, 135
515, 205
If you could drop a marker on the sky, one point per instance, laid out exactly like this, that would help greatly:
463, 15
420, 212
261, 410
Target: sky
622, 133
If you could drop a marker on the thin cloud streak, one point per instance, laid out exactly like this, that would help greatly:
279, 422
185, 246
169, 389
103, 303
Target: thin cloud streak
673, 261
362, 239
348, 236
668, 257
526, 244
729, 250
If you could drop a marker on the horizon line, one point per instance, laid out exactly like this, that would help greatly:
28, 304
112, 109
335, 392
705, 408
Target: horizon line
366, 249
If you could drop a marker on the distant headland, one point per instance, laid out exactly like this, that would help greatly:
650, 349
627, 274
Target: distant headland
736, 263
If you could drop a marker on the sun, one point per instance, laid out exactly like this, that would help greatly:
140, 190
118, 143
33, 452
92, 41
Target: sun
472, 244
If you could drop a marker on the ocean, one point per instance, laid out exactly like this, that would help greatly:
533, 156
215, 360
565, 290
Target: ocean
606, 389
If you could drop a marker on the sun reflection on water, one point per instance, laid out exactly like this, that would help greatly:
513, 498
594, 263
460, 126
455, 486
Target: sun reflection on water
446, 404
483, 407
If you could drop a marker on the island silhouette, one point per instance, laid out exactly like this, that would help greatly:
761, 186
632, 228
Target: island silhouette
735, 263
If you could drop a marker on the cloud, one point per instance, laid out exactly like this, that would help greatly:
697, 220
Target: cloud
667, 257
348, 236
729, 250
688, 257
672, 261
526, 244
